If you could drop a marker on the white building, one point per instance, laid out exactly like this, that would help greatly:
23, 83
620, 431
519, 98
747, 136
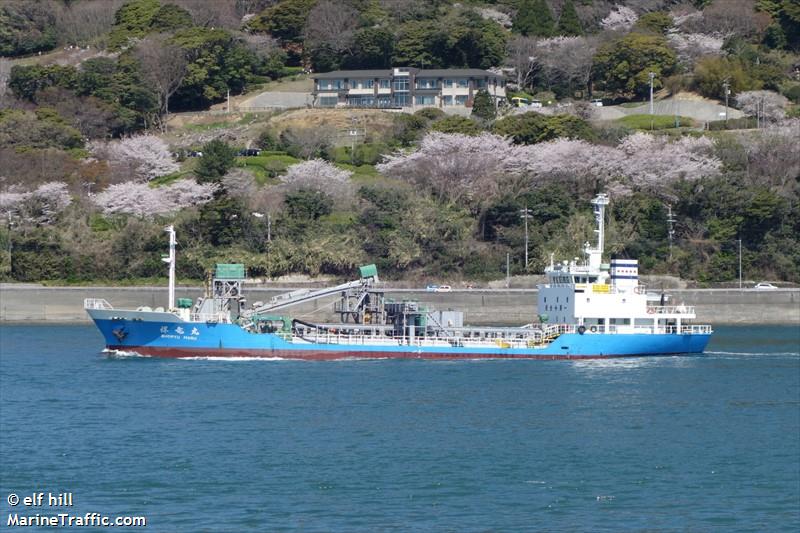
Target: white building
405, 88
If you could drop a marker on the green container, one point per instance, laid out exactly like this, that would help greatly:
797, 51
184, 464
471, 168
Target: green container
184, 303
229, 271
369, 271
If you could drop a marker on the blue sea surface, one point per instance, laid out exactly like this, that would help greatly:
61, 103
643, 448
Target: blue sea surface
700, 443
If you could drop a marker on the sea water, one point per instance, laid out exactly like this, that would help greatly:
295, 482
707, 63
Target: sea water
696, 443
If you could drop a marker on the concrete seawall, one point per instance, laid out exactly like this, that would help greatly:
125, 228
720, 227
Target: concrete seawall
34, 303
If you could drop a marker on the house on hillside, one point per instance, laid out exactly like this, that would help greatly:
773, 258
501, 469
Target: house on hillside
405, 88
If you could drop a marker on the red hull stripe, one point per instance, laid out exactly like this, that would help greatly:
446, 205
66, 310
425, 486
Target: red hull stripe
326, 355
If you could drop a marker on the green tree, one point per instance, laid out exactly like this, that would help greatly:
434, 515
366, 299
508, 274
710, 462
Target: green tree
217, 159
534, 18
420, 43
26, 80
286, 20
170, 17
656, 22
374, 48
483, 106
457, 124
568, 22
624, 65
473, 41
133, 20
26, 28
710, 73
220, 62
532, 127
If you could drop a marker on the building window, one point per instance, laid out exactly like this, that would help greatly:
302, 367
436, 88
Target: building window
331, 85
384, 101
401, 85
463, 83
423, 83
328, 101
401, 100
447, 100
425, 100
385, 84
480, 84
447, 83
361, 101
461, 100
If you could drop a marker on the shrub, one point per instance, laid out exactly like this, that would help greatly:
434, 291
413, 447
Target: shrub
654, 122
430, 113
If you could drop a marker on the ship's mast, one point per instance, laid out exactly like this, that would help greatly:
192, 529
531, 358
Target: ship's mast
171, 261
595, 255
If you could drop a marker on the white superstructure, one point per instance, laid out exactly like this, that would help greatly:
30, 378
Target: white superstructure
605, 298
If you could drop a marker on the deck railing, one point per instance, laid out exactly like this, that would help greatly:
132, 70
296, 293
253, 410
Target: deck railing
96, 303
215, 318
535, 338
670, 309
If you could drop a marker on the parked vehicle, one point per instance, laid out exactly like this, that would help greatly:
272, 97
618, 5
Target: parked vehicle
432, 288
764, 286
249, 152
444, 288
597, 102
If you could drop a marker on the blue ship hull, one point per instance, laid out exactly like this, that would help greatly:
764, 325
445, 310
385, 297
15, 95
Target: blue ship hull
201, 339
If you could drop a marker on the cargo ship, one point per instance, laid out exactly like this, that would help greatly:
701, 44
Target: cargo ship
586, 309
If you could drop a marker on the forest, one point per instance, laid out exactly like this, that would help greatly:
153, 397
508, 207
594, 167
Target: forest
93, 164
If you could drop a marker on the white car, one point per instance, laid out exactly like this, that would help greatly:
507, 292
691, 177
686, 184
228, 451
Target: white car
443, 288
764, 286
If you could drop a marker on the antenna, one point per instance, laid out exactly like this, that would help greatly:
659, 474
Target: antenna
600, 202
171, 261
670, 228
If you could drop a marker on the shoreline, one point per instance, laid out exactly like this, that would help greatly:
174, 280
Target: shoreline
36, 304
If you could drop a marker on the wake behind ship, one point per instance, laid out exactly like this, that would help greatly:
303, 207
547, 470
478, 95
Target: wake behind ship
585, 310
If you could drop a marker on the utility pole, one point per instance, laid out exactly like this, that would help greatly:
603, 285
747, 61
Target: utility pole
652, 76
740, 264
677, 120
670, 229
726, 85
508, 270
525, 214
269, 227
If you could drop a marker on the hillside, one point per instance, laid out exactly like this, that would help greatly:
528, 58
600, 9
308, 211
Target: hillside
107, 105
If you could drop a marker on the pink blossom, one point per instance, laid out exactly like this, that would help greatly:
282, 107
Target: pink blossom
454, 166
143, 157
319, 175
620, 19
142, 200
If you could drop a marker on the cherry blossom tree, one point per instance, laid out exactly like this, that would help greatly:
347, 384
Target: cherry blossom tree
521, 56
565, 59
692, 46
773, 158
573, 160
456, 167
40, 206
141, 200
768, 106
319, 175
621, 18
654, 162
144, 157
